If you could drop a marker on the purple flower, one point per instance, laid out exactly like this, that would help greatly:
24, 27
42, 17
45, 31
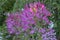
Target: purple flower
13, 22
32, 13
42, 30
48, 34
46, 19
32, 31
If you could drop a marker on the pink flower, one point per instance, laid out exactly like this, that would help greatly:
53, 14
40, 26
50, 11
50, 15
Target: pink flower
42, 6
32, 13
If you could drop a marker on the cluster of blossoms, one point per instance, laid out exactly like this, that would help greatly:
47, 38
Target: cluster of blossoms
13, 22
48, 34
39, 11
27, 20
34, 12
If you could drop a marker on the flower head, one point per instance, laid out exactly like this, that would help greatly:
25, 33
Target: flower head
48, 34
13, 22
32, 13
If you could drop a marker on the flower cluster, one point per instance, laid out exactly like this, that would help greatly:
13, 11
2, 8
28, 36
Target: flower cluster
27, 20
13, 22
34, 12
48, 34
31, 13
39, 11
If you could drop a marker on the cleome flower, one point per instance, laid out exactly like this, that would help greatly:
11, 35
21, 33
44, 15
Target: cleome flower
48, 34
32, 13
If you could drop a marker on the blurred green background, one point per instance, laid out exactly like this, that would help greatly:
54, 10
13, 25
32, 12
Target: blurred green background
7, 6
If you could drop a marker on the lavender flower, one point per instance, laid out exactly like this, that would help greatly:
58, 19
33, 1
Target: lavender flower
30, 15
12, 21
32, 31
39, 11
48, 34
